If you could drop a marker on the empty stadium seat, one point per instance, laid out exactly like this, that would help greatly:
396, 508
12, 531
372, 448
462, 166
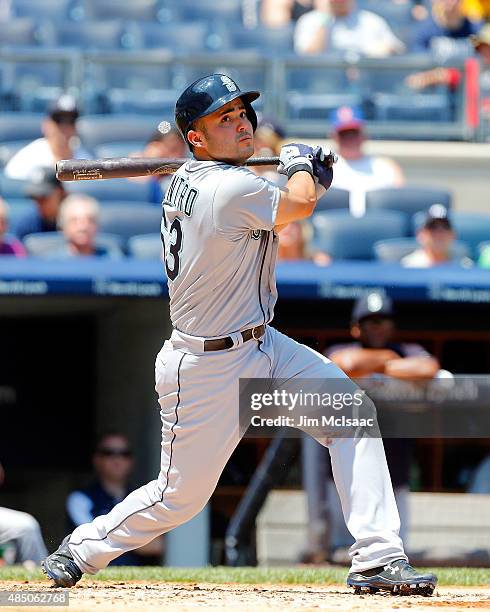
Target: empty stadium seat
90, 35
127, 221
18, 209
193, 36
319, 106
19, 32
333, 199
471, 228
276, 40
408, 199
119, 149
20, 126
54, 10
11, 188
393, 250
47, 244
225, 11
345, 237
402, 107
111, 189
153, 102
95, 130
146, 246
145, 10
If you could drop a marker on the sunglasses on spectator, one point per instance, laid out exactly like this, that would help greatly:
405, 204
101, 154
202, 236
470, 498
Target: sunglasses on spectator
115, 452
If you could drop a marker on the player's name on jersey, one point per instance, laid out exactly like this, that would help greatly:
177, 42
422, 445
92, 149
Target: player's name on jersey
180, 196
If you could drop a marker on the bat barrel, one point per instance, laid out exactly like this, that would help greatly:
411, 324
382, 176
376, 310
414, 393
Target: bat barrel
125, 167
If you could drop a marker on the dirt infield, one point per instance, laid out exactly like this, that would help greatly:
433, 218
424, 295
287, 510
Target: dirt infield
182, 597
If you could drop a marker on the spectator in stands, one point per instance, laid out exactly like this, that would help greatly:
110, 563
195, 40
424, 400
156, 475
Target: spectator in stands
356, 171
48, 192
78, 219
452, 77
446, 30
339, 25
280, 13
294, 244
373, 352
8, 245
24, 532
112, 461
436, 238
165, 142
60, 141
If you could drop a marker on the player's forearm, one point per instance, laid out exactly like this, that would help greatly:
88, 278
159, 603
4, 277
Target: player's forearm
298, 199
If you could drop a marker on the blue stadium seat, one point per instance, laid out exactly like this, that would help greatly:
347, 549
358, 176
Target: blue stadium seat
20, 126
144, 10
192, 36
119, 149
393, 250
225, 11
407, 199
90, 35
471, 228
345, 237
402, 107
54, 10
154, 102
275, 40
127, 221
111, 189
11, 188
318, 106
333, 199
395, 13
18, 209
146, 246
19, 32
46, 244
95, 130
311, 79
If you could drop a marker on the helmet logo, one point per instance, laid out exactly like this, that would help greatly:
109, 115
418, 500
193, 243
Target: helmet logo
229, 84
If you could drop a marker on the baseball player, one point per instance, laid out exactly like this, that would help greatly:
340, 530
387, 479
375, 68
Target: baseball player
220, 231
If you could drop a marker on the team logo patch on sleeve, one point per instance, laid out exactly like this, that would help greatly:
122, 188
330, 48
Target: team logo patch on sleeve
256, 234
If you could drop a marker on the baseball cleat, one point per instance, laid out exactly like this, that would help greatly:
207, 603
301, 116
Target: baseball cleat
61, 567
398, 577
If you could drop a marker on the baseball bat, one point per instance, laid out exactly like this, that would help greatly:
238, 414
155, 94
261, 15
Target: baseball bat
125, 167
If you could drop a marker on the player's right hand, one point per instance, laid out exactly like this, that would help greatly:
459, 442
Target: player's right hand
322, 166
295, 157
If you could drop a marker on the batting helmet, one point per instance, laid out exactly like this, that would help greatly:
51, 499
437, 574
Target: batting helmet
206, 95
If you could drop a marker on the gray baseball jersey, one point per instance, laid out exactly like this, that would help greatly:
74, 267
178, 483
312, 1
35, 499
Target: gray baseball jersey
220, 249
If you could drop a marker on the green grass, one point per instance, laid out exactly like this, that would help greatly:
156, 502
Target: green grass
251, 575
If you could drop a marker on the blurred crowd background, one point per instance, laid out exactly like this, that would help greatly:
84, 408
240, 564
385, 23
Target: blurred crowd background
99, 78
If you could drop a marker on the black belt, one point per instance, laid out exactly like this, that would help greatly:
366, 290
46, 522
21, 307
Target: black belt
220, 344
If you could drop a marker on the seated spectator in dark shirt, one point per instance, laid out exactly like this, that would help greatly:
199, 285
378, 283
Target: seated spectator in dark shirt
78, 219
47, 191
436, 238
8, 244
113, 463
446, 30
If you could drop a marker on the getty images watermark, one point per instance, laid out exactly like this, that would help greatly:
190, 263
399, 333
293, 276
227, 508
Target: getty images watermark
458, 407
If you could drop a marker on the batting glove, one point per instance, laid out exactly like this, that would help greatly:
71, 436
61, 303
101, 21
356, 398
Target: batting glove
295, 157
322, 166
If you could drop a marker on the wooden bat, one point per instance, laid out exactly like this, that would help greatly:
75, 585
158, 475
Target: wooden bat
125, 167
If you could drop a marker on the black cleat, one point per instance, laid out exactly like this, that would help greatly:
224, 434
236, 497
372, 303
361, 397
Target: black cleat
398, 577
61, 567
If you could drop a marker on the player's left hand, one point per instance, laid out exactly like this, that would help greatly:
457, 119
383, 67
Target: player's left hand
322, 166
